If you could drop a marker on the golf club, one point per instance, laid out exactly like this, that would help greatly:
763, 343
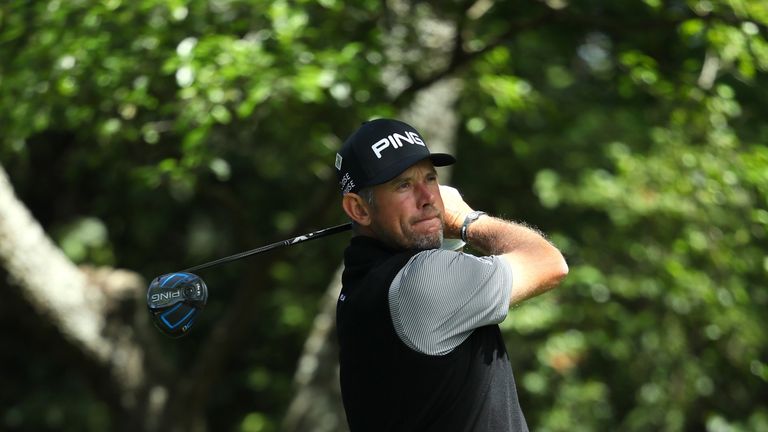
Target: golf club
176, 299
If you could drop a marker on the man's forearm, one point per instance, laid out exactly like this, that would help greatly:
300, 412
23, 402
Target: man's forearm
494, 236
537, 265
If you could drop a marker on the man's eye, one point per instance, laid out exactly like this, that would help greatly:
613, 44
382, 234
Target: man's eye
403, 185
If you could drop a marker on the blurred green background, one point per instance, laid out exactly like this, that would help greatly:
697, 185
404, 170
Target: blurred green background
152, 135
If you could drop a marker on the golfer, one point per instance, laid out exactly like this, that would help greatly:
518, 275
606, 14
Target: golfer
420, 346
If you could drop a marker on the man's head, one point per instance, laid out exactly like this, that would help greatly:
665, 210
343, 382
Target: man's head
388, 163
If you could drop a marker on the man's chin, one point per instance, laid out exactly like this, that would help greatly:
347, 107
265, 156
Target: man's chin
412, 240
427, 241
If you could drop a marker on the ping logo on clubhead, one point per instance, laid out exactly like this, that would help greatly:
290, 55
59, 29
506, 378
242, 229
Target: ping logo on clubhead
169, 289
167, 296
395, 140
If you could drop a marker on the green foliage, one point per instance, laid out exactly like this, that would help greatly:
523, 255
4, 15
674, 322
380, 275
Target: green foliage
154, 135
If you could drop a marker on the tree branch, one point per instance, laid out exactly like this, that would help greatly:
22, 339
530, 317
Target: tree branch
460, 57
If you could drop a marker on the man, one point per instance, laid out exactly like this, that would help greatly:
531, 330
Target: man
420, 346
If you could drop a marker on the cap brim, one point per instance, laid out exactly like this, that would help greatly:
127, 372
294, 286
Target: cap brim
438, 160
442, 159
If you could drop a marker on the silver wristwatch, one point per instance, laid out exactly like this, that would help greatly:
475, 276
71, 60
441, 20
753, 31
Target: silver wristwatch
473, 216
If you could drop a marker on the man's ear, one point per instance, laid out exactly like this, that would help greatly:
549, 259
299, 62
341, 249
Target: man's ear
356, 208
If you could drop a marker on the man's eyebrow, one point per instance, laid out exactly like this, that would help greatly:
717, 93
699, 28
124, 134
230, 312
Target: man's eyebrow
398, 179
402, 177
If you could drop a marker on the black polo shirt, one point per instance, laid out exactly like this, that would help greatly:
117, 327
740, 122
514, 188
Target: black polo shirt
420, 346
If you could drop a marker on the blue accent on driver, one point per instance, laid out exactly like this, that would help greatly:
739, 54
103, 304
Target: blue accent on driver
171, 310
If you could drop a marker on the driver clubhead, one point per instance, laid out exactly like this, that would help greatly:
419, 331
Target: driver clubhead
175, 300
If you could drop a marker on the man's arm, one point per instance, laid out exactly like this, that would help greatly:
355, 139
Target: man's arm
537, 265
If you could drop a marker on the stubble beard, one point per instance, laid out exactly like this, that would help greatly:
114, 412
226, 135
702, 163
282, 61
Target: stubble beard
413, 240
425, 241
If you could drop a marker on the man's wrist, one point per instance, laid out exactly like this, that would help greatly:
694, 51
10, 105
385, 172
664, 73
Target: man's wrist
471, 217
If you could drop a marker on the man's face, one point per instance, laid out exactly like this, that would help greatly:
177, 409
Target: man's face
408, 210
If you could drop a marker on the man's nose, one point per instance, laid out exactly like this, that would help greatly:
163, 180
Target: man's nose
425, 195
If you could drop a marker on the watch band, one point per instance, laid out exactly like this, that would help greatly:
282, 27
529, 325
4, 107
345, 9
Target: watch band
471, 217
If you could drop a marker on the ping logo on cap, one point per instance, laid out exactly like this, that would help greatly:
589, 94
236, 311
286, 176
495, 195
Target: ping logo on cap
396, 141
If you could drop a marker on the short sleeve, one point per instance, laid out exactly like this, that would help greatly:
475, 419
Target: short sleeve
439, 297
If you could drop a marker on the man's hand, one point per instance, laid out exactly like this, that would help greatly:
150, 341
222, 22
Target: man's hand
456, 210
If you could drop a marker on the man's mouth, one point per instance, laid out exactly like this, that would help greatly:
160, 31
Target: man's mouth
428, 222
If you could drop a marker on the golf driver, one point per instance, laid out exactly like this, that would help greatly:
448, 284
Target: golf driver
176, 299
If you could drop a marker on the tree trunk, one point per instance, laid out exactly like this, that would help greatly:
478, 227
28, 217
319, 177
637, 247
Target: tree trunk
84, 305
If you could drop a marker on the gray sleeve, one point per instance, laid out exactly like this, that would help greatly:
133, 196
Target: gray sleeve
441, 296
